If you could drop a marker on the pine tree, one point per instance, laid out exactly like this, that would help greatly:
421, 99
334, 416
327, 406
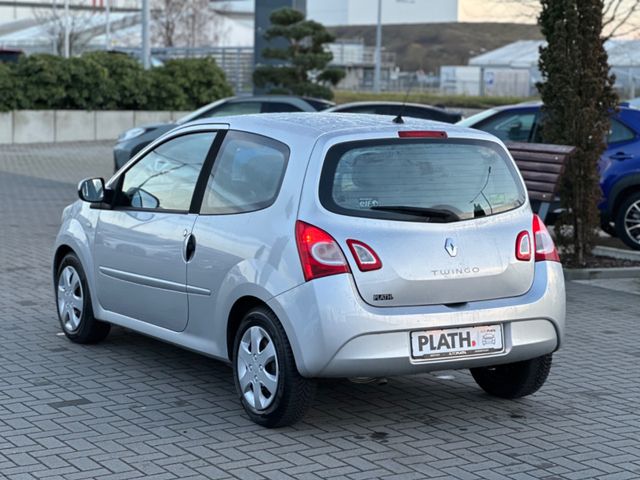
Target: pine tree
305, 70
578, 97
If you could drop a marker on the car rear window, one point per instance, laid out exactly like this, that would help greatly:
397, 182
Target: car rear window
420, 180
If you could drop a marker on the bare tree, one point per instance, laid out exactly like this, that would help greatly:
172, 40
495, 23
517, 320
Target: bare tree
167, 16
53, 22
620, 17
187, 23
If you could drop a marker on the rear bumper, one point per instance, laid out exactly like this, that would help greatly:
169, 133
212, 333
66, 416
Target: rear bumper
333, 333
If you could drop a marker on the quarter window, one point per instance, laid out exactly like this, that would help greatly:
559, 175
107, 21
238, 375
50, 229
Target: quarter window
166, 177
619, 132
246, 175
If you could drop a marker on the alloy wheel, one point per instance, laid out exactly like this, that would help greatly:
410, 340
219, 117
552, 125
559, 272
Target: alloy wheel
632, 221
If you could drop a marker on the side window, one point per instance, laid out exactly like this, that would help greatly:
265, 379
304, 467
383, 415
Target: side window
619, 132
234, 108
246, 175
166, 177
276, 107
510, 126
359, 109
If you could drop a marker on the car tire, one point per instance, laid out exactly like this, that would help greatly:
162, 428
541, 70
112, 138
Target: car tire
73, 302
608, 228
627, 216
263, 362
514, 380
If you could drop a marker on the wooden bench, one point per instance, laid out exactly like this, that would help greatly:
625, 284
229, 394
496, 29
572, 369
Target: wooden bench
541, 166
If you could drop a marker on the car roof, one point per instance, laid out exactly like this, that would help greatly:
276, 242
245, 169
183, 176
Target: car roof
263, 98
385, 103
533, 105
623, 109
312, 125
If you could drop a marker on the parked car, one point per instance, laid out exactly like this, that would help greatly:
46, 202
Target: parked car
414, 110
298, 246
8, 55
619, 165
135, 139
634, 102
136, 54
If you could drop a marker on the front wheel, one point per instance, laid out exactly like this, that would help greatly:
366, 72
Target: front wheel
74, 304
271, 390
514, 380
628, 221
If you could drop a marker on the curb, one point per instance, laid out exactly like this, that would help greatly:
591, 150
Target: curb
594, 273
618, 253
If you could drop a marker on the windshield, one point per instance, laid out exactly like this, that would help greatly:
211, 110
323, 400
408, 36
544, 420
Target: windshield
420, 180
478, 117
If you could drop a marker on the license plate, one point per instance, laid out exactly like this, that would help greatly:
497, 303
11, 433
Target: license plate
456, 342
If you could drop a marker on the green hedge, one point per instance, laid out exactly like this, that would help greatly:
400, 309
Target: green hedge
107, 81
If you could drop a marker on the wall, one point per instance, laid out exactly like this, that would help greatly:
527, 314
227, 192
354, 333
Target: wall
49, 126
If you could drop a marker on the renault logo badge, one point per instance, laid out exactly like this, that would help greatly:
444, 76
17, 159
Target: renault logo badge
450, 247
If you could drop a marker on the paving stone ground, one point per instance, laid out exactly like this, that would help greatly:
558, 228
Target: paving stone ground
133, 407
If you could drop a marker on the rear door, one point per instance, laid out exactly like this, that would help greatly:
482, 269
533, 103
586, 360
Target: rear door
443, 216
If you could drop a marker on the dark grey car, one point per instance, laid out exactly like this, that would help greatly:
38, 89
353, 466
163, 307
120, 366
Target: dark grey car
414, 110
135, 139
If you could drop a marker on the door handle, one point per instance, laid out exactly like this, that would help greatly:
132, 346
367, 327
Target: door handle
621, 156
189, 247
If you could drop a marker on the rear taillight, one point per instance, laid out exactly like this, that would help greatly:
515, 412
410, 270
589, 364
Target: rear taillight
545, 249
320, 254
365, 256
523, 246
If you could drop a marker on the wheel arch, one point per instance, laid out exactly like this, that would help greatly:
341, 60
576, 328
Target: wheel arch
62, 251
239, 309
621, 191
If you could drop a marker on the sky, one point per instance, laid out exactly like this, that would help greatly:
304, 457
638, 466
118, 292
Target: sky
518, 11
497, 11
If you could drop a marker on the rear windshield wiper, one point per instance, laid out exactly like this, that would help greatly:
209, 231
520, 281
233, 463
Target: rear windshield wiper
425, 212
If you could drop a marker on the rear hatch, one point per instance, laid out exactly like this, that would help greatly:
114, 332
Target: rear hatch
441, 214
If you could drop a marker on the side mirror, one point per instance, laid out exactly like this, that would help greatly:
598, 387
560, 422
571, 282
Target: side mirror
91, 190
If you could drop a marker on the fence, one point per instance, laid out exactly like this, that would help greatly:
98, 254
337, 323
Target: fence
236, 62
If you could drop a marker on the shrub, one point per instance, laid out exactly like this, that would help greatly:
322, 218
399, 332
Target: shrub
85, 87
42, 80
187, 84
108, 81
126, 86
9, 91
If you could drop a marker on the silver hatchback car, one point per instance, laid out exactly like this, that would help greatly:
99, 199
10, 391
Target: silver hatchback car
306, 245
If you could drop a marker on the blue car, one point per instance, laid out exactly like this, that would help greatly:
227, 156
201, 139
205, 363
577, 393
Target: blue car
619, 165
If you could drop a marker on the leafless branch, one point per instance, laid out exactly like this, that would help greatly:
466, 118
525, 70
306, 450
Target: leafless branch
189, 23
53, 22
620, 17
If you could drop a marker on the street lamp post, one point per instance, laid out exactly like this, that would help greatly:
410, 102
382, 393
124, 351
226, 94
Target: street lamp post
107, 12
67, 46
378, 54
146, 48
